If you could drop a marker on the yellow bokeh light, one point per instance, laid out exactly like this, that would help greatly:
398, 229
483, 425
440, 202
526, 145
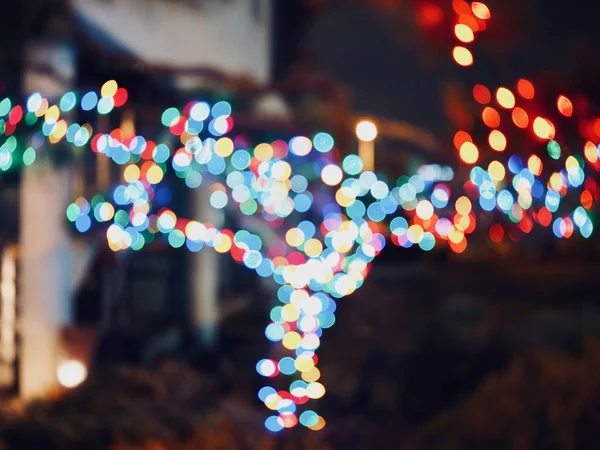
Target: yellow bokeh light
272, 401
311, 375
505, 98
304, 364
462, 222
497, 171
463, 205
481, 10
591, 152
319, 425
571, 164
415, 233
291, 340
313, 248
294, 237
107, 211
222, 243
469, 153
131, 173
154, 175
543, 128
114, 245
315, 390
224, 147
42, 109
456, 236
345, 196
462, 56
290, 313
556, 182
52, 114
298, 297
60, 129
263, 152
109, 89
535, 165
497, 140
185, 137
464, 33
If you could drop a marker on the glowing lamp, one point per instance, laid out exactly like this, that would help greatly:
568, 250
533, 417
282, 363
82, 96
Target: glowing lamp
71, 373
366, 131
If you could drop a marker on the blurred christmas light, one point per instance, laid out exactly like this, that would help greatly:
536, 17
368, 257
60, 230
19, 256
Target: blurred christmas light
328, 257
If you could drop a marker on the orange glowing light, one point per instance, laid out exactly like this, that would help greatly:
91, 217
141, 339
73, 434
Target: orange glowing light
461, 7
587, 200
526, 89
459, 247
469, 153
496, 233
491, 117
497, 140
520, 117
535, 165
471, 22
543, 128
565, 106
481, 94
460, 138
505, 98
464, 33
481, 11
591, 152
462, 56
481, 24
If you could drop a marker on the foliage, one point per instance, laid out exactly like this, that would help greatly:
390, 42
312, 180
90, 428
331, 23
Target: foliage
544, 401
173, 408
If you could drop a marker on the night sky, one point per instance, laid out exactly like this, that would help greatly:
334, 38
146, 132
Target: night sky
381, 59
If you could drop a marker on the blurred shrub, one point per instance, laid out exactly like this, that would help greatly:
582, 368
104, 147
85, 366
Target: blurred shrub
543, 401
173, 408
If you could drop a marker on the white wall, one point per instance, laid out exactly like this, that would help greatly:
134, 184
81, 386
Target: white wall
223, 34
45, 278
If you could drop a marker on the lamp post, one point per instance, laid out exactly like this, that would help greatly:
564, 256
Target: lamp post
366, 132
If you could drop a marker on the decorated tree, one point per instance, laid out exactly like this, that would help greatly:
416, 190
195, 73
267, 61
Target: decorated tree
322, 218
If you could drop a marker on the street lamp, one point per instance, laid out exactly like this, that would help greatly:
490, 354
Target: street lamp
366, 132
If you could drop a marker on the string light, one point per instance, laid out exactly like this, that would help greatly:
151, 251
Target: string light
314, 262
